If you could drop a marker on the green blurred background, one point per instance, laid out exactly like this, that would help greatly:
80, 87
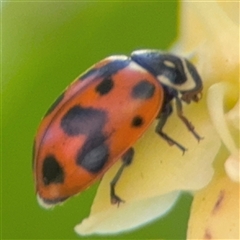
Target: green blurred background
45, 46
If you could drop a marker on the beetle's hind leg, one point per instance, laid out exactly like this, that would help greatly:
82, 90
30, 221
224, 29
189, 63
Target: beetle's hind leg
126, 161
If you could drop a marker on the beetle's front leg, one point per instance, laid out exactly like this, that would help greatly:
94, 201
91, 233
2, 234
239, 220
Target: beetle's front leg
162, 120
188, 124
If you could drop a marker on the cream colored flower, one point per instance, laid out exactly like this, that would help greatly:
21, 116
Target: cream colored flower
215, 45
209, 35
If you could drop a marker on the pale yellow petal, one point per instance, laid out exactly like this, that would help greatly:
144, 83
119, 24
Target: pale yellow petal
231, 8
127, 216
211, 38
215, 211
233, 116
222, 95
232, 167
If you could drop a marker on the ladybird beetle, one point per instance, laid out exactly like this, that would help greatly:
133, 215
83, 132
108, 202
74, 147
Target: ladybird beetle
102, 114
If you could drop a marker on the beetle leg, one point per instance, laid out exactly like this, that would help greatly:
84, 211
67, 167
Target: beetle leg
162, 120
189, 126
126, 160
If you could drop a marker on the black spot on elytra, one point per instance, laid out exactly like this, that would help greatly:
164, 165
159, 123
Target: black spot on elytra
107, 70
54, 105
137, 121
94, 153
143, 90
105, 86
80, 120
52, 172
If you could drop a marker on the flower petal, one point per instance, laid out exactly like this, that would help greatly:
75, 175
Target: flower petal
232, 167
233, 116
211, 36
217, 93
127, 216
215, 211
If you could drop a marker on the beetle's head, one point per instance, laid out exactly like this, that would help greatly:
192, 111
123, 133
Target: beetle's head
174, 72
